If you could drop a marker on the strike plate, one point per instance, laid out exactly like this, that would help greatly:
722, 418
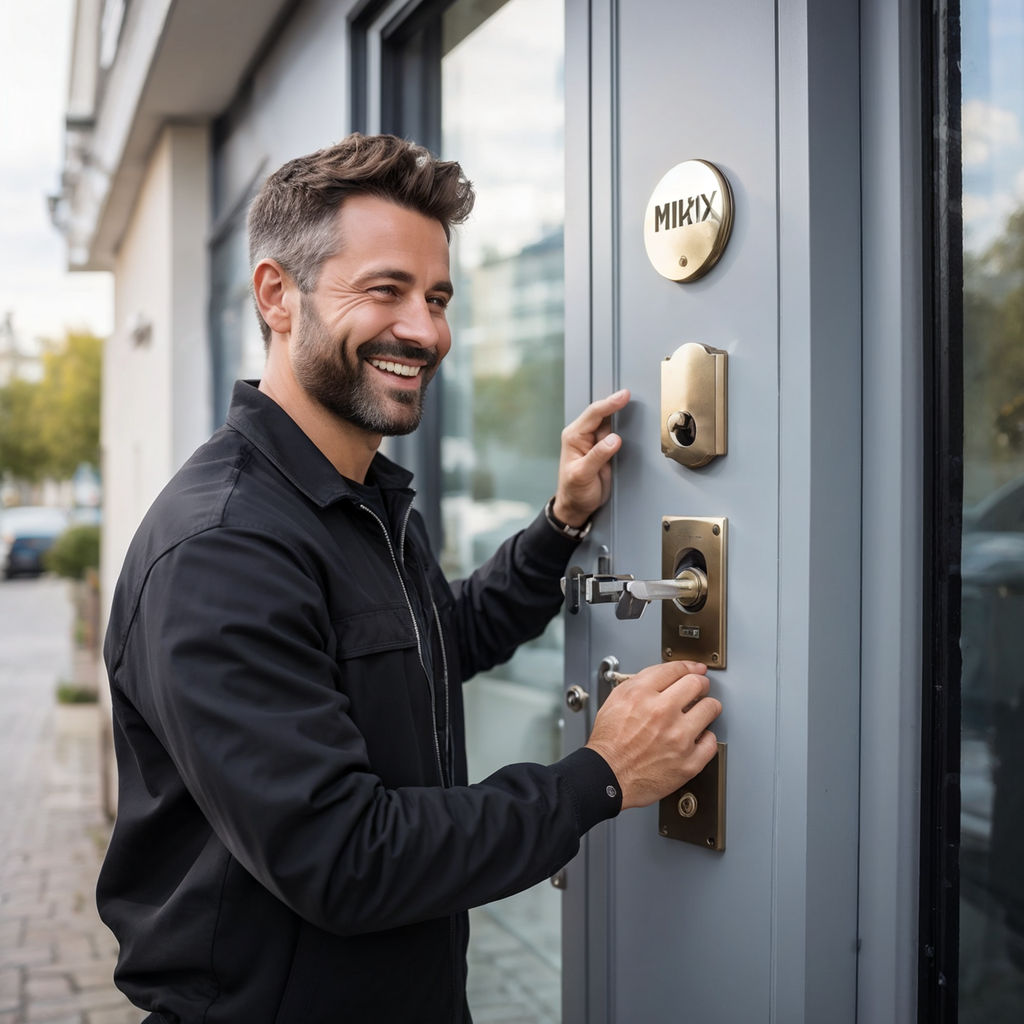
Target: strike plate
695, 634
696, 813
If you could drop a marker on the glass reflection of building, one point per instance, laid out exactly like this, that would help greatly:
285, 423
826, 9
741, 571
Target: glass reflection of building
992, 564
502, 117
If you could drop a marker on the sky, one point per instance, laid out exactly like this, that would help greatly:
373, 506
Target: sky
993, 116
35, 287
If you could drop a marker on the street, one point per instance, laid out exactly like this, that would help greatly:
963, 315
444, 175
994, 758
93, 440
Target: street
56, 957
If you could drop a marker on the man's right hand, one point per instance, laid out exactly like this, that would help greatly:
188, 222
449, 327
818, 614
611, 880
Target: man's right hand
653, 730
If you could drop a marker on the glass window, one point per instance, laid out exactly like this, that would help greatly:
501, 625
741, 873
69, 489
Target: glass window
502, 117
991, 975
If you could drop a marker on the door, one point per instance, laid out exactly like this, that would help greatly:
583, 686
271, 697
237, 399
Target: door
766, 928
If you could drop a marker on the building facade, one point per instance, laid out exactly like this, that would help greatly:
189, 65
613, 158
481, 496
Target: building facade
853, 274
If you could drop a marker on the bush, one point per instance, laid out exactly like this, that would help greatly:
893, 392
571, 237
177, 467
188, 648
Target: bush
76, 693
74, 552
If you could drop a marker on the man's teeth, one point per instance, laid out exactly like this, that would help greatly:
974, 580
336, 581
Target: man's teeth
400, 368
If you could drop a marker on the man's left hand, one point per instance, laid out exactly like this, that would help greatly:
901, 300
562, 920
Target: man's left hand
584, 469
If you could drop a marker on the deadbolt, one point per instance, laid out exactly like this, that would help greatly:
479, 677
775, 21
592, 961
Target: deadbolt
694, 414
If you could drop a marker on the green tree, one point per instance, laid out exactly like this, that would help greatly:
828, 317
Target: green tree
22, 453
994, 347
68, 403
48, 428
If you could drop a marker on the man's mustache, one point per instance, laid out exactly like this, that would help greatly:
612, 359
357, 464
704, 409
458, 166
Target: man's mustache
398, 350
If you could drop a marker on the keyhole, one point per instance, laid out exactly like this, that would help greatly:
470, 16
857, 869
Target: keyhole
683, 428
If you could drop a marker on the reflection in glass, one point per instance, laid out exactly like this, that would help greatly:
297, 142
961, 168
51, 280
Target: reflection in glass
992, 639
502, 118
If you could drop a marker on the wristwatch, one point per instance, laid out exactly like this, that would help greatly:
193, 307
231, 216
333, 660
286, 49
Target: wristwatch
574, 532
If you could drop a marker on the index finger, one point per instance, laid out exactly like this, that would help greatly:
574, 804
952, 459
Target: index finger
597, 412
661, 677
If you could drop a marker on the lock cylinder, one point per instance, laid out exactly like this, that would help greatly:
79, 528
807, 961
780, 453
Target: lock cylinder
693, 589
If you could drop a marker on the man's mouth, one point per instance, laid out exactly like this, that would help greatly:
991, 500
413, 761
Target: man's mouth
401, 369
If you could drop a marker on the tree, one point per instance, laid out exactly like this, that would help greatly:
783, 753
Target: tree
48, 428
68, 404
22, 454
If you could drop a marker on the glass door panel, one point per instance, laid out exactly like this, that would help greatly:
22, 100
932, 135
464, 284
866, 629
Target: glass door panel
991, 982
502, 114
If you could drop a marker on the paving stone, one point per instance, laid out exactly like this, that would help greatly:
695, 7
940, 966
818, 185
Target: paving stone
56, 956
131, 1015
44, 989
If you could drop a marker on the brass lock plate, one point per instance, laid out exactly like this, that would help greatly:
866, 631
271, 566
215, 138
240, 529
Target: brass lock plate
695, 633
694, 411
696, 812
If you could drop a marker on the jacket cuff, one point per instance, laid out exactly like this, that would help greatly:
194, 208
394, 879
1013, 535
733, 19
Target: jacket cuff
593, 785
547, 547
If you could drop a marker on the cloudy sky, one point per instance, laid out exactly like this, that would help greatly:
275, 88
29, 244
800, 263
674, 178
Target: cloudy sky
993, 117
44, 299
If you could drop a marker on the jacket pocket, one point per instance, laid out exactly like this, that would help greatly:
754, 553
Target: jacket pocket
383, 628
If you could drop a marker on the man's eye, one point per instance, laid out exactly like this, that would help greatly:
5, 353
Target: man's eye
439, 300
384, 289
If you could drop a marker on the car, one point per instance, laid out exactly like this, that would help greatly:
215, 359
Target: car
27, 532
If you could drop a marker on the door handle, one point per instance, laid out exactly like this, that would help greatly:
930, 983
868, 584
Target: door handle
689, 590
692, 591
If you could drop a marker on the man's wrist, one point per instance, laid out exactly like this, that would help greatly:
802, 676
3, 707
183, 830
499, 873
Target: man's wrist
564, 528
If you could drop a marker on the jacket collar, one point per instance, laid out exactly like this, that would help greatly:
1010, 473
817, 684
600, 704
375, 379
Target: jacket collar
267, 426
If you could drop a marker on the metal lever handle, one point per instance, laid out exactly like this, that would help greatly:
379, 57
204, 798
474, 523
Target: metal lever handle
689, 588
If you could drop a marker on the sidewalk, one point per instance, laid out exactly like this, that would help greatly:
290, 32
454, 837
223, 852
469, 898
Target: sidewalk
56, 956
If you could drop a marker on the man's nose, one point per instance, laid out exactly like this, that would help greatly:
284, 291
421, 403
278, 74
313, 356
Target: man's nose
420, 323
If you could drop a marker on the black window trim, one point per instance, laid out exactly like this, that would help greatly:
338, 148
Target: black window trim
938, 952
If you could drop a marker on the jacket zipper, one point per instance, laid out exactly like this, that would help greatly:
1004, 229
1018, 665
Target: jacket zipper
444, 673
415, 629
457, 1006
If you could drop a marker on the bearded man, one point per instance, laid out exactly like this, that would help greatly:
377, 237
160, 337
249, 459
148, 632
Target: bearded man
296, 841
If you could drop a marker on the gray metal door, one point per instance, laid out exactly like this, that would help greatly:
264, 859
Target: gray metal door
658, 929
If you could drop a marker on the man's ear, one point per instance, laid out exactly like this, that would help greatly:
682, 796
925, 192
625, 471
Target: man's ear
276, 295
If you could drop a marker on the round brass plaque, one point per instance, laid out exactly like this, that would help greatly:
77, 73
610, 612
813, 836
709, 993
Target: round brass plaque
688, 221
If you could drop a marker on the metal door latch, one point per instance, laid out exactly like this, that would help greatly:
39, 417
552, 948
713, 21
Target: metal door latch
631, 596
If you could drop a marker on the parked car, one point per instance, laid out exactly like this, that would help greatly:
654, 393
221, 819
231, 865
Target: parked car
27, 532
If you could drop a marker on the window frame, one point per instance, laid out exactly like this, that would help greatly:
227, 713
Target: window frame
939, 911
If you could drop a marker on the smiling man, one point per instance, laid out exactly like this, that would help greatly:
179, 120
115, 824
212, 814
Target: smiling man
296, 840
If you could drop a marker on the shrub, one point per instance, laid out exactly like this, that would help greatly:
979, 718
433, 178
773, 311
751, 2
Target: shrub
74, 552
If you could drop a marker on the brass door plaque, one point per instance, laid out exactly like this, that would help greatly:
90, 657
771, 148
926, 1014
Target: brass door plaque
695, 632
688, 220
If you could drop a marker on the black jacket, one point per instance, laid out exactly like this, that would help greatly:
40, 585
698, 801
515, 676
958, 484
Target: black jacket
295, 839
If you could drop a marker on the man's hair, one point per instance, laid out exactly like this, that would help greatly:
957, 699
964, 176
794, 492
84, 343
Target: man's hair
293, 218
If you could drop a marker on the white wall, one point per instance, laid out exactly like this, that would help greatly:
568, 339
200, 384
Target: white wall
155, 408
156, 363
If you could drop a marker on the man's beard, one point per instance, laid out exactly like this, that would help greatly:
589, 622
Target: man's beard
343, 387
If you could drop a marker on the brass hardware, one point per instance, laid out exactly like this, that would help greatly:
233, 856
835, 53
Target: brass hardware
694, 404
559, 880
696, 812
688, 220
576, 698
693, 628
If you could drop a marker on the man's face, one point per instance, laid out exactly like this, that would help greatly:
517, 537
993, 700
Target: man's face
374, 330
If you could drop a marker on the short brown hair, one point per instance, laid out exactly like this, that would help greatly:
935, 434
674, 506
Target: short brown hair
292, 217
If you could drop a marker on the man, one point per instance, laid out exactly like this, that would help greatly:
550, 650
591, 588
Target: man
296, 841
